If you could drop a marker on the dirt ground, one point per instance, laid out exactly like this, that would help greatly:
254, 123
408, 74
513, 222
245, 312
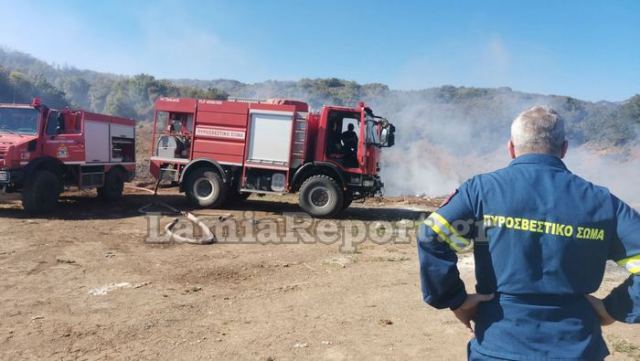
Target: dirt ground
83, 284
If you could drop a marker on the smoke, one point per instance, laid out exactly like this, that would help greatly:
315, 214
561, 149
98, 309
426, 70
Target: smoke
444, 137
442, 142
423, 169
618, 170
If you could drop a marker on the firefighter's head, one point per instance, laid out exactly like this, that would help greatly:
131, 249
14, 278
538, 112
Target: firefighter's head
540, 130
350, 127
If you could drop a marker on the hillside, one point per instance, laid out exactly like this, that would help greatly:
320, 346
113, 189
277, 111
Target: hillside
482, 112
444, 135
131, 97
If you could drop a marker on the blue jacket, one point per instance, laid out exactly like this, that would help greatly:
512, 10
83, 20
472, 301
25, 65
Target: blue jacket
541, 237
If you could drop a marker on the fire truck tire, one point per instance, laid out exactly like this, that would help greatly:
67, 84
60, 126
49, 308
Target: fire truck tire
321, 196
205, 188
40, 193
113, 185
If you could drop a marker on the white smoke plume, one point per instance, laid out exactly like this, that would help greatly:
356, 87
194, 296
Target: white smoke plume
439, 145
618, 170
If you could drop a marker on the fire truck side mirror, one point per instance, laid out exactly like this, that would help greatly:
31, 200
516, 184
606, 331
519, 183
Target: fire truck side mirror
389, 138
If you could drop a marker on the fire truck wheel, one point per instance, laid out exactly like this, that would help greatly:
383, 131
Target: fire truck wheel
321, 196
113, 185
205, 188
40, 193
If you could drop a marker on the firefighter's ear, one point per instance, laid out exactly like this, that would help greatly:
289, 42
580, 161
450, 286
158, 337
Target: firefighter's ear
565, 146
512, 149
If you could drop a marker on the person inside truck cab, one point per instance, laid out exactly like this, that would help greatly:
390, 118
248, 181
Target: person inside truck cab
177, 131
175, 124
349, 140
55, 123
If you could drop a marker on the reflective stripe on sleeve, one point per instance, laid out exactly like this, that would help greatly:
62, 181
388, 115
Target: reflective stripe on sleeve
446, 232
632, 264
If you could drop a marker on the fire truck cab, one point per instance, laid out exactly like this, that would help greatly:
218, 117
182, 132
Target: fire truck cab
44, 150
222, 151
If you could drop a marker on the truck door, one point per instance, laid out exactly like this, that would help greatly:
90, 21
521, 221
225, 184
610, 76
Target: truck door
63, 137
342, 137
363, 140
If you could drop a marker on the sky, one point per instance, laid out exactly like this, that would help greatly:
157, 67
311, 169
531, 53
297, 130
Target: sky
585, 49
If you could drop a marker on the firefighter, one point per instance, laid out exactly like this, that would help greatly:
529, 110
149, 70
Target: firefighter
349, 140
541, 238
349, 137
175, 124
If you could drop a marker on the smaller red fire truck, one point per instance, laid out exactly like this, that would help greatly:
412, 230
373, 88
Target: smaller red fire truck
44, 150
220, 151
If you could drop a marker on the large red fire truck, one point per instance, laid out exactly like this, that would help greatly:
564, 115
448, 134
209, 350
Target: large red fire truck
44, 150
220, 151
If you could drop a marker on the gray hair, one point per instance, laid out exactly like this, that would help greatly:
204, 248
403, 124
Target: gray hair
539, 129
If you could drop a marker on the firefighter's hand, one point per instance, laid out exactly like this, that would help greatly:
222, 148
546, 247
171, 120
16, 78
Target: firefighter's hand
467, 311
601, 311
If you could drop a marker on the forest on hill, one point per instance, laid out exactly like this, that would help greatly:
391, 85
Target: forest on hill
483, 113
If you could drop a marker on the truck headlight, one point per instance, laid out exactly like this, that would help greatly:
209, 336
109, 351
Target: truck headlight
368, 183
4, 176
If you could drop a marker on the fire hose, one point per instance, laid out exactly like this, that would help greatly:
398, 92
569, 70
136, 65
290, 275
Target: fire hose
206, 237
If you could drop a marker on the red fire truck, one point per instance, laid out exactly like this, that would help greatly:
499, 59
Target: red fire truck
220, 151
44, 150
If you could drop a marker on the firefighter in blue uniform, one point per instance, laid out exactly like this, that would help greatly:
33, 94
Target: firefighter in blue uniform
541, 237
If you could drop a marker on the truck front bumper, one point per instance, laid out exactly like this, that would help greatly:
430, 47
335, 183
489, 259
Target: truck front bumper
365, 185
10, 178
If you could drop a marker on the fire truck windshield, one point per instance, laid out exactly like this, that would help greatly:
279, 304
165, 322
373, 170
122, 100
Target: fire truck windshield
19, 120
